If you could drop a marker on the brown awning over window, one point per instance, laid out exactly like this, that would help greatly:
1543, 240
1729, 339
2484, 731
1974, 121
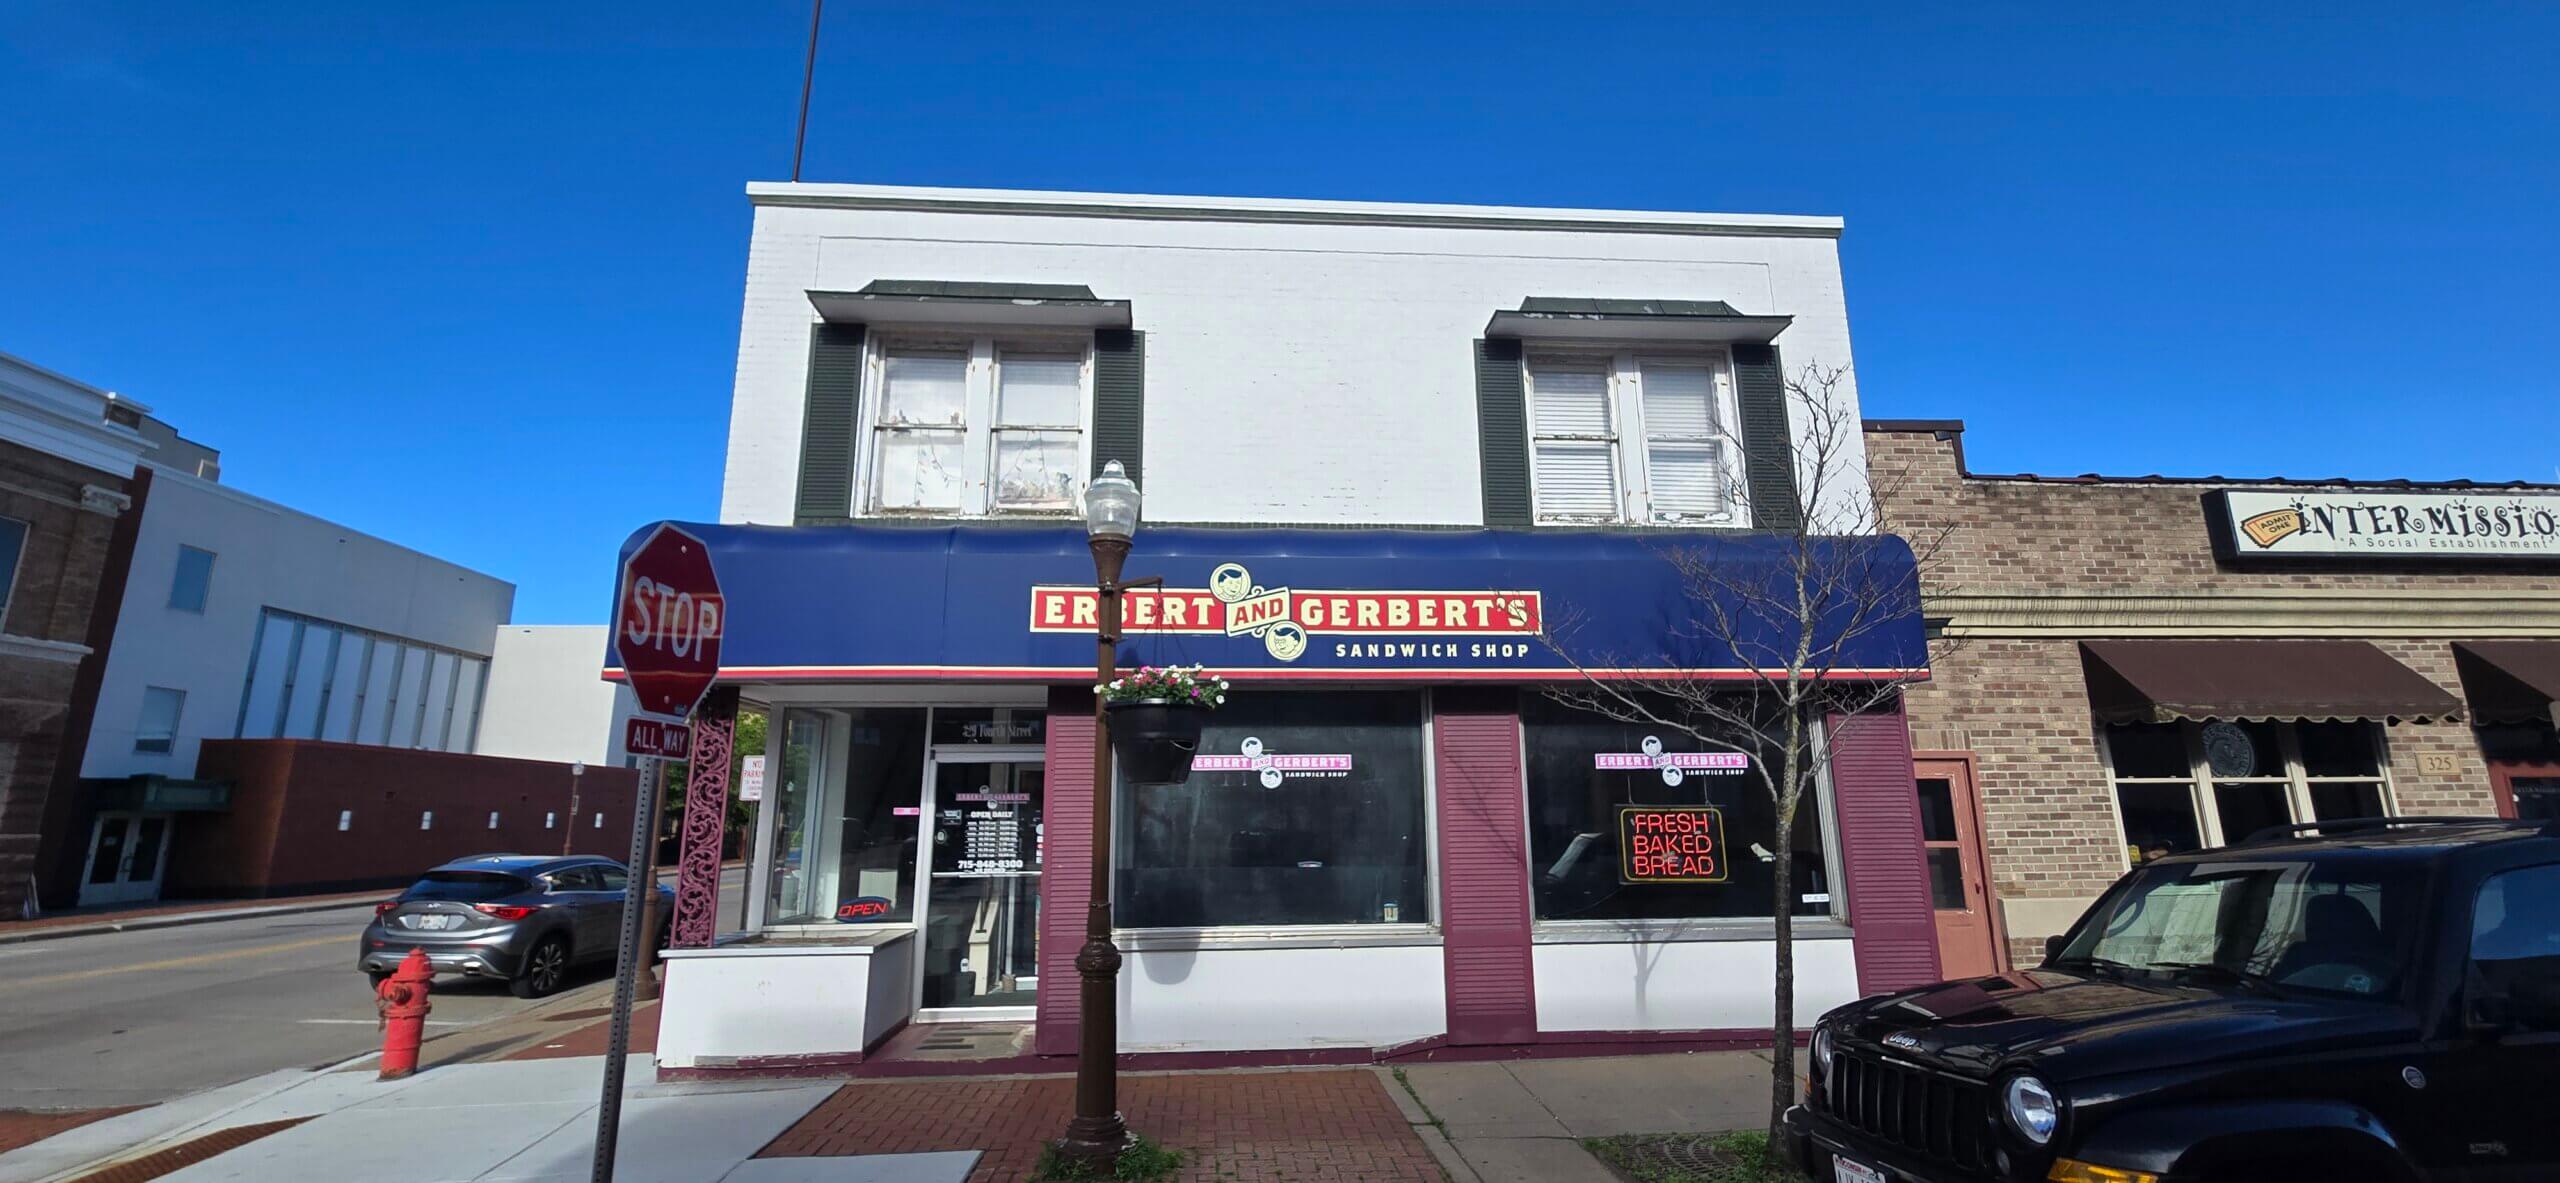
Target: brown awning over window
2162, 681
2511, 681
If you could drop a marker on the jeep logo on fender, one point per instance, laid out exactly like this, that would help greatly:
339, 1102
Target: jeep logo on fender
1283, 618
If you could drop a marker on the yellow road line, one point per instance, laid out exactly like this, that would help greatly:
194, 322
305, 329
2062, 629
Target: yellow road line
182, 962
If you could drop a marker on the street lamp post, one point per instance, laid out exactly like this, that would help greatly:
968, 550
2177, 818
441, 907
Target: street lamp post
1096, 1135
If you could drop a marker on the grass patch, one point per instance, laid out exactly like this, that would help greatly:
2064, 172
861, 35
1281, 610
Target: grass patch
1143, 1159
1420, 1104
1739, 1157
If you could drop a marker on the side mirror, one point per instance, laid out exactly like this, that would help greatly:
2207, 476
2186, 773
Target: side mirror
2053, 946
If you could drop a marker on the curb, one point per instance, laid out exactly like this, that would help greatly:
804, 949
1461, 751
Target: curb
173, 920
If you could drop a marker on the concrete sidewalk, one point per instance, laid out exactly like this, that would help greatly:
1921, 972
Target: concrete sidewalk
1523, 1121
529, 1121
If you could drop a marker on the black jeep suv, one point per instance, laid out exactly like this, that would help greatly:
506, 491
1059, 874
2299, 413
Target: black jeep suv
2370, 1000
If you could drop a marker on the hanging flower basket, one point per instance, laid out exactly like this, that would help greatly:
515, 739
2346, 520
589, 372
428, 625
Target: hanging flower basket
1155, 718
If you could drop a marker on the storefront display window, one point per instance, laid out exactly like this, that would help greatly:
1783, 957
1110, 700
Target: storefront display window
1586, 771
1305, 808
847, 852
2185, 786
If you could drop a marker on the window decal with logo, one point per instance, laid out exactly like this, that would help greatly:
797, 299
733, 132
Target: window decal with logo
1285, 619
1272, 767
1674, 766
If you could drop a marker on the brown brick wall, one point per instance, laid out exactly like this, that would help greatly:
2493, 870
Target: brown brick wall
2021, 703
55, 592
281, 833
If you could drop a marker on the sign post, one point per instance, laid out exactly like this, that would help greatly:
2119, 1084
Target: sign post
668, 619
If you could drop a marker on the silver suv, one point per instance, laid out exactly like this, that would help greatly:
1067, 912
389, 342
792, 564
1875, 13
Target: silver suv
520, 918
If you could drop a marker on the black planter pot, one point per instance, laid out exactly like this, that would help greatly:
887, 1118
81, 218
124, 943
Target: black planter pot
1154, 740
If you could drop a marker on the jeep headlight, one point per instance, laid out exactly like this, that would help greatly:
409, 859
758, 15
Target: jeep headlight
2033, 1112
1822, 1048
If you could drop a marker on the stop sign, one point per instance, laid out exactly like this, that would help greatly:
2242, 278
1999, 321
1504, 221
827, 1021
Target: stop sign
668, 620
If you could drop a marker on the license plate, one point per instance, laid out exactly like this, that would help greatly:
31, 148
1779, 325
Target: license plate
1845, 1171
438, 923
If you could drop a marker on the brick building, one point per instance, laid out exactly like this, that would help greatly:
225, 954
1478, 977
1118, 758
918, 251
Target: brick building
2146, 663
68, 453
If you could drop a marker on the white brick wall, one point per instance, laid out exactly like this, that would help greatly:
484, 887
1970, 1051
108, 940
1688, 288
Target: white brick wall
1297, 369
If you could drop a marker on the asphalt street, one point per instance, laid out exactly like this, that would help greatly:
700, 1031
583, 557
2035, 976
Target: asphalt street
132, 1018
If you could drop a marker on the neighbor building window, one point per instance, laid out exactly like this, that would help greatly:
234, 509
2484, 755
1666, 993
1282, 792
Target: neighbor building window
156, 730
2185, 786
1634, 437
193, 581
312, 679
13, 547
976, 425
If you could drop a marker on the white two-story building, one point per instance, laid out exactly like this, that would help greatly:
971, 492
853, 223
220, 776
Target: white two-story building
1390, 455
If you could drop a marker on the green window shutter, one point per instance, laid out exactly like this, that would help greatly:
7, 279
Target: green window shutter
1120, 401
1768, 442
1502, 434
827, 422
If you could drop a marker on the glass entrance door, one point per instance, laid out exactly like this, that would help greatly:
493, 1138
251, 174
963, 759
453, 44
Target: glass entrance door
125, 856
982, 900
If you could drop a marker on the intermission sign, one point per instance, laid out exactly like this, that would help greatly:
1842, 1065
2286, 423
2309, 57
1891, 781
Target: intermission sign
1287, 621
2383, 524
1670, 844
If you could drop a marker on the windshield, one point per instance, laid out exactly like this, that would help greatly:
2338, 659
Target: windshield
2336, 928
465, 886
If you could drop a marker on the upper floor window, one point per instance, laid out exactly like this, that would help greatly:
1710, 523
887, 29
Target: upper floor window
312, 679
975, 425
193, 581
1636, 437
13, 547
155, 730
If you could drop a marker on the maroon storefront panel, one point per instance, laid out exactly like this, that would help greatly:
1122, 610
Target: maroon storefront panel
1484, 868
1878, 800
1066, 869
705, 794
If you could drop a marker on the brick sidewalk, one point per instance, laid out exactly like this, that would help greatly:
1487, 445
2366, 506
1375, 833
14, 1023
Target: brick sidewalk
26, 1127
1234, 1127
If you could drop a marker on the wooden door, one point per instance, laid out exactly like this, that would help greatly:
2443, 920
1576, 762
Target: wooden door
1969, 934
2527, 790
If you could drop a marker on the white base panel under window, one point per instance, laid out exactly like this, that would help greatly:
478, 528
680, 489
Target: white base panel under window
1684, 985
748, 1002
1209, 1000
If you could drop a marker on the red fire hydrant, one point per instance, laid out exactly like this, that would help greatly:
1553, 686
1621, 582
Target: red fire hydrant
402, 1003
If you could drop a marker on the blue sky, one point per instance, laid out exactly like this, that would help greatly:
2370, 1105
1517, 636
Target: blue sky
466, 274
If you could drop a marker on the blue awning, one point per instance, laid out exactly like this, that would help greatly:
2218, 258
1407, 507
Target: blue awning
999, 603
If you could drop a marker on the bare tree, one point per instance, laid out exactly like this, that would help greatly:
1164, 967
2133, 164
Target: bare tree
1797, 624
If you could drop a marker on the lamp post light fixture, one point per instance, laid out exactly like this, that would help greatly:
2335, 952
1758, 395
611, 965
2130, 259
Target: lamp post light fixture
1096, 1135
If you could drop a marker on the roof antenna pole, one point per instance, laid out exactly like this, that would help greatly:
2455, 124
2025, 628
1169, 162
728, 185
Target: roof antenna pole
808, 74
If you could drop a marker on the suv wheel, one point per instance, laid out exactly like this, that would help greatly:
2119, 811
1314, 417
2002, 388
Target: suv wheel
544, 969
